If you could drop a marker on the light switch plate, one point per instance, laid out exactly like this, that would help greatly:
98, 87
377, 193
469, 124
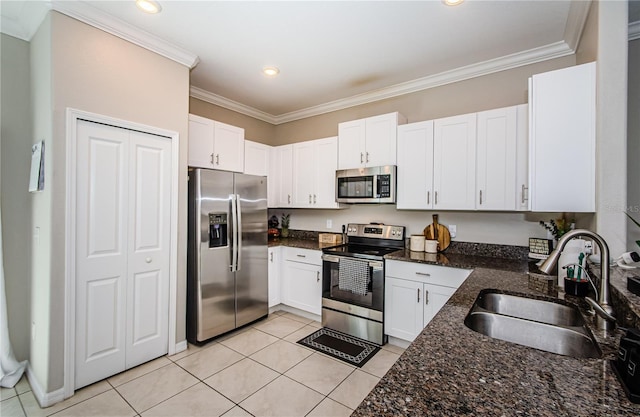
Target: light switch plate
329, 223
453, 230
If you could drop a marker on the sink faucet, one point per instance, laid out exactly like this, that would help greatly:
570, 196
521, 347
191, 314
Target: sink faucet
602, 306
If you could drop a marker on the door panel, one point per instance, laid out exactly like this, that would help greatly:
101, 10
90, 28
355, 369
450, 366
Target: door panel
404, 310
103, 336
101, 251
304, 160
146, 294
252, 292
454, 162
415, 166
215, 292
123, 188
149, 247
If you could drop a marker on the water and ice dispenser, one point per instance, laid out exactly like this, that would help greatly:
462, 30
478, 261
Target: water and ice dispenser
217, 230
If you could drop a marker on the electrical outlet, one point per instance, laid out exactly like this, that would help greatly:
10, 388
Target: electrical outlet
453, 230
329, 223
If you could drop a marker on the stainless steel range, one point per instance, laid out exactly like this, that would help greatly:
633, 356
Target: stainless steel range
353, 280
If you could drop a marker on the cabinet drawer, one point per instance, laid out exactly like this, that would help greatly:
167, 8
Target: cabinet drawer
308, 256
428, 274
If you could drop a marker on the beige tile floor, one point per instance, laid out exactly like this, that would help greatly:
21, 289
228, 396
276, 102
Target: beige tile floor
259, 370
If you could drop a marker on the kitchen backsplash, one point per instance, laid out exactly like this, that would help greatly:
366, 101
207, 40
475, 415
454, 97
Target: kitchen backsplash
511, 228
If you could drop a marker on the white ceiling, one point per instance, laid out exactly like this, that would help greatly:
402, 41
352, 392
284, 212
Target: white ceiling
331, 55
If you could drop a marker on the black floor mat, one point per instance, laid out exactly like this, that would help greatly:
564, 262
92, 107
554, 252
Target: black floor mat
341, 346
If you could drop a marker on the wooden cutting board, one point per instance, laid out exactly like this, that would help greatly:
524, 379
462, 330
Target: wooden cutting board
439, 232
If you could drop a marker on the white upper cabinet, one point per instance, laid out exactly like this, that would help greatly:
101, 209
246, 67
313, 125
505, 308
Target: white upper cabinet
273, 179
368, 142
215, 145
256, 158
454, 163
284, 157
415, 166
522, 157
496, 159
314, 170
497, 179
562, 139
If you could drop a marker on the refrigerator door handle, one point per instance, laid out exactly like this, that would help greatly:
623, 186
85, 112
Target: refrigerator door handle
234, 233
238, 215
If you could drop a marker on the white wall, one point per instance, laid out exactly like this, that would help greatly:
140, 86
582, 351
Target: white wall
15, 130
78, 66
611, 124
41, 273
482, 227
633, 144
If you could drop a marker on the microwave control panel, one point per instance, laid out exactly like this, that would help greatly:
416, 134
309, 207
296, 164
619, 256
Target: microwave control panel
384, 186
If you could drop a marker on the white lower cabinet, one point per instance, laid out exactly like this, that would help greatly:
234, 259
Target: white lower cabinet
274, 276
302, 279
414, 293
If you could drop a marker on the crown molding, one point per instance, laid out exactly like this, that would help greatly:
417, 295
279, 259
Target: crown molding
27, 21
634, 30
578, 14
88, 14
532, 56
218, 100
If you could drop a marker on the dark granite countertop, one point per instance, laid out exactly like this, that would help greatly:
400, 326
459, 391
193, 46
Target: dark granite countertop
297, 243
450, 370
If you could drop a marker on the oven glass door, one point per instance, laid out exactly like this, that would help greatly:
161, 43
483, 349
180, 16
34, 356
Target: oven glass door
356, 187
374, 298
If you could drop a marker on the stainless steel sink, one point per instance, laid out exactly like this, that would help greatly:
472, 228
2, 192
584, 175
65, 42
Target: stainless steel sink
539, 324
530, 309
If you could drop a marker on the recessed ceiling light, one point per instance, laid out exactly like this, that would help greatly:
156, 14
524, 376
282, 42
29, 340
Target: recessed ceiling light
149, 6
452, 2
270, 71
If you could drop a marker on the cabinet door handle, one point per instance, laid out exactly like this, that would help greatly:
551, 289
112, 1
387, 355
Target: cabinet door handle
424, 274
217, 159
367, 156
426, 297
314, 199
288, 198
317, 276
480, 197
428, 195
211, 159
361, 157
271, 256
524, 192
309, 198
301, 256
418, 294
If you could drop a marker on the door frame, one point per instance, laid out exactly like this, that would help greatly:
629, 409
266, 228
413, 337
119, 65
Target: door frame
73, 116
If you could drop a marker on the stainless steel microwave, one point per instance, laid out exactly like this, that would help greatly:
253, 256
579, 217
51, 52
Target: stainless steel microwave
366, 185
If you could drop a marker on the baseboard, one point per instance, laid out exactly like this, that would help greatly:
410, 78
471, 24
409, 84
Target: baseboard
298, 312
180, 346
398, 342
45, 399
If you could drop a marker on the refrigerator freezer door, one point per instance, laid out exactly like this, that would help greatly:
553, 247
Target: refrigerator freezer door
252, 290
211, 286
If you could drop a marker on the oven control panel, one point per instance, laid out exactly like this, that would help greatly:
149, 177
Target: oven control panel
376, 231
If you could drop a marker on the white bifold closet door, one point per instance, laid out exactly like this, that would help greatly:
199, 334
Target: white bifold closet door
122, 249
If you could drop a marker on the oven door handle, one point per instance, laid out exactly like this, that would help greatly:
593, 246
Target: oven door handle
376, 265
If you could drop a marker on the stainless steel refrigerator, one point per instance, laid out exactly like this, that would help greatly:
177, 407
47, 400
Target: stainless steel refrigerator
227, 252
